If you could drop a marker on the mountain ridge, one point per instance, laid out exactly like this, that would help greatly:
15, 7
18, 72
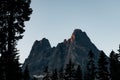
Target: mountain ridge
75, 48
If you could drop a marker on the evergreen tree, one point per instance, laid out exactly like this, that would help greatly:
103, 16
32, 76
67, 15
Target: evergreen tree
3, 39
46, 73
54, 75
34, 78
1, 70
61, 74
113, 66
78, 73
90, 73
103, 73
118, 67
69, 71
26, 74
13, 13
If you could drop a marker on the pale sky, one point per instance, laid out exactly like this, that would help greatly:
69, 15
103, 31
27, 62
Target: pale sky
56, 20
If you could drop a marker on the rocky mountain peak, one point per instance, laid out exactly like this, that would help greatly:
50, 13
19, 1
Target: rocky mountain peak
77, 31
39, 46
77, 34
42, 44
45, 43
80, 37
76, 48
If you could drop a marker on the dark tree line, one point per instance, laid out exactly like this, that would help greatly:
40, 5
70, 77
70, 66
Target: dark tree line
107, 68
69, 73
13, 14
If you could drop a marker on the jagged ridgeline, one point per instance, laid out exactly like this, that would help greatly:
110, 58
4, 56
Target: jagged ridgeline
76, 48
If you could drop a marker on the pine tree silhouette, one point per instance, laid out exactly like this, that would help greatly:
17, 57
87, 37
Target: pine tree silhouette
61, 74
78, 73
26, 74
103, 73
115, 65
46, 73
90, 73
13, 13
69, 71
118, 68
54, 75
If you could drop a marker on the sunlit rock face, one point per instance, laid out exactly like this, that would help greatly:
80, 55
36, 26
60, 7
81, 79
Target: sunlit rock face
75, 48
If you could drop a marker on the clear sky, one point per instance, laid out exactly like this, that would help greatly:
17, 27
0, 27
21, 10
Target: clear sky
56, 20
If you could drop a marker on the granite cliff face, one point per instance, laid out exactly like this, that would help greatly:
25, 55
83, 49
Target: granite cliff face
75, 48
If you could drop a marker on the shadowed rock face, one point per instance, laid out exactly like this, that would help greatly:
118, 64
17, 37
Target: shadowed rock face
75, 48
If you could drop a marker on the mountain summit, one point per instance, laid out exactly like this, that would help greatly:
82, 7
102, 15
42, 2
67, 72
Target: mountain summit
76, 48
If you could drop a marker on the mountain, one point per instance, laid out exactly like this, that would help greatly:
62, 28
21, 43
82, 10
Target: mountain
76, 48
